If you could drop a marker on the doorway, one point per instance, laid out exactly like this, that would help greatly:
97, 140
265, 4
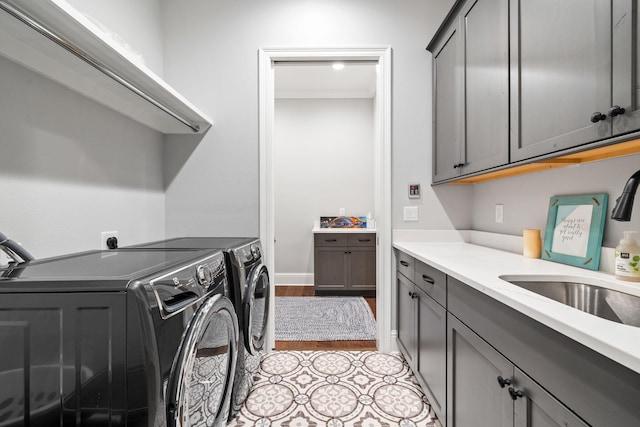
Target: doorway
268, 58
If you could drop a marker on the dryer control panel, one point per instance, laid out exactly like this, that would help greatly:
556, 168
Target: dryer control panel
188, 284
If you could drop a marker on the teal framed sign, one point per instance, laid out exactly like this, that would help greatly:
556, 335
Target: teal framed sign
574, 230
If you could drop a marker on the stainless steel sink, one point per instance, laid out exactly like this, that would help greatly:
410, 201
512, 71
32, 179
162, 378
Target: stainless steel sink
596, 300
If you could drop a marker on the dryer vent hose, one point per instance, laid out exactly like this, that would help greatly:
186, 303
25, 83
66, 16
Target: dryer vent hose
16, 252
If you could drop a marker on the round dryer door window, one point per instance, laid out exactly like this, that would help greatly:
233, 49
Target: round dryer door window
200, 389
256, 309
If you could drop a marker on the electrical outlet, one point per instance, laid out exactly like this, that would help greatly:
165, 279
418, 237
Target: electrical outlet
342, 211
499, 214
104, 236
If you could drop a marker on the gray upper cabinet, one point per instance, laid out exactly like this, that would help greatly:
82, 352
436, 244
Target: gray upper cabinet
561, 75
625, 65
517, 80
471, 91
447, 104
486, 85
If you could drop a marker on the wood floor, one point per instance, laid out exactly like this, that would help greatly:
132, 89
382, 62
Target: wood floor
306, 291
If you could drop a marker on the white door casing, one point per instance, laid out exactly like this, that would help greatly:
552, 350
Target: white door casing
382, 167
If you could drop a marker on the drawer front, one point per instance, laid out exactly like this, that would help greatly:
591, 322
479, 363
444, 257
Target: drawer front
362, 239
433, 282
405, 264
330, 239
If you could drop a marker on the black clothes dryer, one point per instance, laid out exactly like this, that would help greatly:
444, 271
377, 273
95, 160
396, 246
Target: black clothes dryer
120, 337
250, 292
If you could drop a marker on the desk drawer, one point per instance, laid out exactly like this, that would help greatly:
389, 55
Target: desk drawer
330, 239
362, 239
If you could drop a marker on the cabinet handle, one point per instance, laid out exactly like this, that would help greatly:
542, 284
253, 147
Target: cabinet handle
404, 263
515, 393
616, 110
503, 381
364, 240
597, 116
459, 165
414, 295
330, 240
428, 279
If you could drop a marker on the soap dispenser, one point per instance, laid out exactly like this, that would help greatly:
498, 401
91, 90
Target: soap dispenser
628, 258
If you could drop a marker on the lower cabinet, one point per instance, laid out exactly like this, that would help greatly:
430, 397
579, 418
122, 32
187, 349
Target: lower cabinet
422, 338
483, 364
432, 351
345, 264
486, 389
406, 319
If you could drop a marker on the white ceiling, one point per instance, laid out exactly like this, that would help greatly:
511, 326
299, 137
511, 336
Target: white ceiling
320, 80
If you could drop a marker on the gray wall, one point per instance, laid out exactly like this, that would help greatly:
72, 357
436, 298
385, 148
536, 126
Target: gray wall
322, 161
526, 197
71, 168
138, 23
211, 57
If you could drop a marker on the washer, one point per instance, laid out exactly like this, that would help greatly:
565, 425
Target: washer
250, 291
120, 337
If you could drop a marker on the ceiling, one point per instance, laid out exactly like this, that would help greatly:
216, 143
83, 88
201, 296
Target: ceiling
320, 80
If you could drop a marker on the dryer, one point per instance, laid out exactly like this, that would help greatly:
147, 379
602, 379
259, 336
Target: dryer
120, 337
250, 291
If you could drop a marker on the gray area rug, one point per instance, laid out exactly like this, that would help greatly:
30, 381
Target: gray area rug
323, 319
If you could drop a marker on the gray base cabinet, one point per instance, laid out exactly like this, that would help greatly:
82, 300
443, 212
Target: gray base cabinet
431, 351
475, 397
486, 389
482, 363
422, 327
345, 264
406, 319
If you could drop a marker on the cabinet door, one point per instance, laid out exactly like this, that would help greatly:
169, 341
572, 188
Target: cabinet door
447, 106
626, 60
474, 397
537, 408
330, 269
362, 268
485, 32
560, 74
432, 351
406, 319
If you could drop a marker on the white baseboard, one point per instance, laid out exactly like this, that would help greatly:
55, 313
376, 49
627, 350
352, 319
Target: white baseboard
297, 279
393, 341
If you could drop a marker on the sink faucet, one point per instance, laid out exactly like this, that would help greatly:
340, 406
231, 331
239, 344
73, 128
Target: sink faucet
624, 203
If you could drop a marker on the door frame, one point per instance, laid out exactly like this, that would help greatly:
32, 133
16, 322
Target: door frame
382, 167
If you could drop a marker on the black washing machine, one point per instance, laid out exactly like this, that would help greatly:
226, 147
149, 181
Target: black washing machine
250, 291
117, 338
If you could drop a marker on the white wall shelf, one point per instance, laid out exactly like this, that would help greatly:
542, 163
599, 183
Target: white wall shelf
24, 45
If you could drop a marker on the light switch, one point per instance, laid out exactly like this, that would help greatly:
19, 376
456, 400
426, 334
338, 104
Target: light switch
411, 213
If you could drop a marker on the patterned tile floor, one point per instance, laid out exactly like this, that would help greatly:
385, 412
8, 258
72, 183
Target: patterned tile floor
335, 389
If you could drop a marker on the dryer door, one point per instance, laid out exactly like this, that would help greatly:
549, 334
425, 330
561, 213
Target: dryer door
199, 391
255, 308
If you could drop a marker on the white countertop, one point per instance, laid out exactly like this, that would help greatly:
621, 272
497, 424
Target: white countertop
480, 268
343, 230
